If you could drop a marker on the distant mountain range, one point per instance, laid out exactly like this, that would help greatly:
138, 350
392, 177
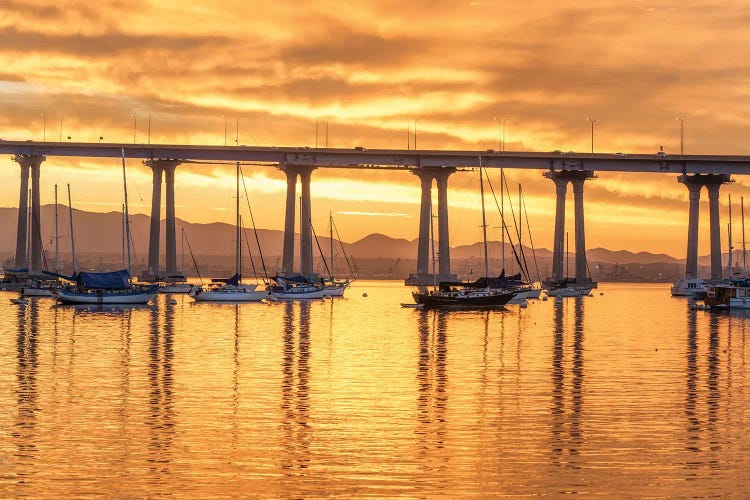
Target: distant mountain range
98, 236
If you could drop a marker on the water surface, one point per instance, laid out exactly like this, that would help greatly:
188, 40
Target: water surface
626, 393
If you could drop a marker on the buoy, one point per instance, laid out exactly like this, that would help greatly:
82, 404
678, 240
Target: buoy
601, 293
364, 294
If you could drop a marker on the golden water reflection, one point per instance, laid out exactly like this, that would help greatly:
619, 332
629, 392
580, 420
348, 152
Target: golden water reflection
626, 393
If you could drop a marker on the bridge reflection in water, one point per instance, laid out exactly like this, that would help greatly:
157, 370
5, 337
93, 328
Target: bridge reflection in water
358, 397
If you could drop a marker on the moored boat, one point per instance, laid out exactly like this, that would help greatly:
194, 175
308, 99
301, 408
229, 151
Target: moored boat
296, 287
466, 298
38, 288
104, 288
228, 290
695, 288
231, 289
569, 291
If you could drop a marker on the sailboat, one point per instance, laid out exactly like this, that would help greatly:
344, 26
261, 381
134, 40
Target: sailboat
43, 288
335, 287
568, 287
231, 289
472, 295
104, 288
178, 284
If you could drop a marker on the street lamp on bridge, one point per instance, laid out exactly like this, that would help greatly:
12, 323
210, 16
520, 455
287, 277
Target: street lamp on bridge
501, 132
593, 121
682, 134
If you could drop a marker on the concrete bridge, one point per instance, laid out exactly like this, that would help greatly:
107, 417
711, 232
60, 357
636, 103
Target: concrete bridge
694, 171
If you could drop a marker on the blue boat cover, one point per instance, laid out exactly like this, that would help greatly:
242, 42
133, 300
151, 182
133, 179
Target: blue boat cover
101, 281
234, 280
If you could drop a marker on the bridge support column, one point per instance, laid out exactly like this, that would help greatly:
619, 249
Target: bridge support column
694, 188
169, 167
715, 230
152, 272
305, 223
443, 228
558, 246
36, 213
23, 212
582, 277
425, 216
561, 179
287, 258
713, 184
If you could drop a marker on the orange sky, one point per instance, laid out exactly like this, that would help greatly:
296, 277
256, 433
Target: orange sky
367, 67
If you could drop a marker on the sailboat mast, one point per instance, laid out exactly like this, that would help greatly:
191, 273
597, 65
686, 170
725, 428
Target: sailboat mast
238, 245
567, 256
729, 235
744, 255
124, 263
484, 224
127, 215
502, 220
520, 219
72, 236
330, 221
57, 246
432, 246
182, 251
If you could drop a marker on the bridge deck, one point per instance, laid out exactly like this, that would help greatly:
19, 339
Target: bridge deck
392, 158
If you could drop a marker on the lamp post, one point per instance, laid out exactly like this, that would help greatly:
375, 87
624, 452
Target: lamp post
408, 133
499, 130
682, 134
415, 132
593, 121
507, 119
134, 126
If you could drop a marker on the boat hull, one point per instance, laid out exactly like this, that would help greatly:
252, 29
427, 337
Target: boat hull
178, 288
241, 293
695, 288
302, 294
463, 301
569, 292
124, 297
335, 290
29, 291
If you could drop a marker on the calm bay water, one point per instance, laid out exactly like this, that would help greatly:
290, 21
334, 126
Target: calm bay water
627, 393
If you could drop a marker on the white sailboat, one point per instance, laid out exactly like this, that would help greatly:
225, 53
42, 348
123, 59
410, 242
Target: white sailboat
334, 287
231, 289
